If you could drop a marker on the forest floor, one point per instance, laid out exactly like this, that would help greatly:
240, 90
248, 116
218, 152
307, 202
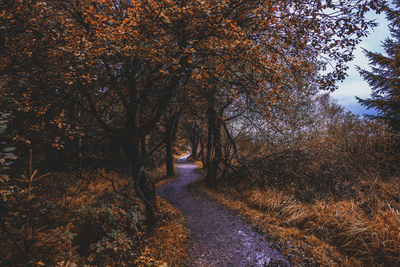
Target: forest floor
218, 236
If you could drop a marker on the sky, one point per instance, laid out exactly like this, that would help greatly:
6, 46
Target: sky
354, 85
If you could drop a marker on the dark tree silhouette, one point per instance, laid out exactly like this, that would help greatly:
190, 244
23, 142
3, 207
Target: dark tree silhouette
384, 78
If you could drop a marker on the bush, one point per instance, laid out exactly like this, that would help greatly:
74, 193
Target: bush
57, 219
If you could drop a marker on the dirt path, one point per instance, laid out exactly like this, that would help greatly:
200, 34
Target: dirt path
218, 236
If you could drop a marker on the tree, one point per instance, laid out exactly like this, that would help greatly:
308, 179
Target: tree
270, 50
171, 127
384, 78
118, 64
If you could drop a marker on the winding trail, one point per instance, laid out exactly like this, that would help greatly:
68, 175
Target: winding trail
219, 237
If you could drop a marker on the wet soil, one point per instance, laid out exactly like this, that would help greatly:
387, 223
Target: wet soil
219, 237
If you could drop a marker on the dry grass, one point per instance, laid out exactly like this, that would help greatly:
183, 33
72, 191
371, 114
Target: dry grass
166, 246
363, 229
168, 241
320, 233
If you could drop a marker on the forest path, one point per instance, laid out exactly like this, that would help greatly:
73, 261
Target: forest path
219, 237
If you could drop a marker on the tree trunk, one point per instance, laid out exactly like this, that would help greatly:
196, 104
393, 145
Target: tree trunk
202, 153
171, 128
143, 185
143, 149
194, 149
209, 143
212, 171
214, 148
169, 155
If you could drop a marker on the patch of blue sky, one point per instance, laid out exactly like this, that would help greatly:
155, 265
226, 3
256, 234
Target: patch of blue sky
354, 85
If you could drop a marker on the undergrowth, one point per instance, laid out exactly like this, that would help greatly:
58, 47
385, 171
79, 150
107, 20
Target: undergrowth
329, 195
168, 242
96, 220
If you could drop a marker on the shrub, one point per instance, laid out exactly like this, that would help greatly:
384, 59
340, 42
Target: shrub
81, 222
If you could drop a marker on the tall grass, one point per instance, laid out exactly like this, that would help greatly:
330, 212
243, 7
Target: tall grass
371, 239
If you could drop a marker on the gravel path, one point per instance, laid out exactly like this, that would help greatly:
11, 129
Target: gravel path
219, 237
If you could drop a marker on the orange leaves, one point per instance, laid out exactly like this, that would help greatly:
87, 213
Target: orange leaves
190, 50
236, 50
165, 72
23, 139
57, 143
165, 19
196, 76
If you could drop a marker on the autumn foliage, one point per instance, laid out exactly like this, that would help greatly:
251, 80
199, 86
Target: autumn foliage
102, 92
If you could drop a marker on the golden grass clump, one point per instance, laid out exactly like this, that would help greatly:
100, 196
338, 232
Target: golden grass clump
168, 241
322, 232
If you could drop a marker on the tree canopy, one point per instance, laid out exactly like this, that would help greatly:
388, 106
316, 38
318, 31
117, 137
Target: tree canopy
109, 70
